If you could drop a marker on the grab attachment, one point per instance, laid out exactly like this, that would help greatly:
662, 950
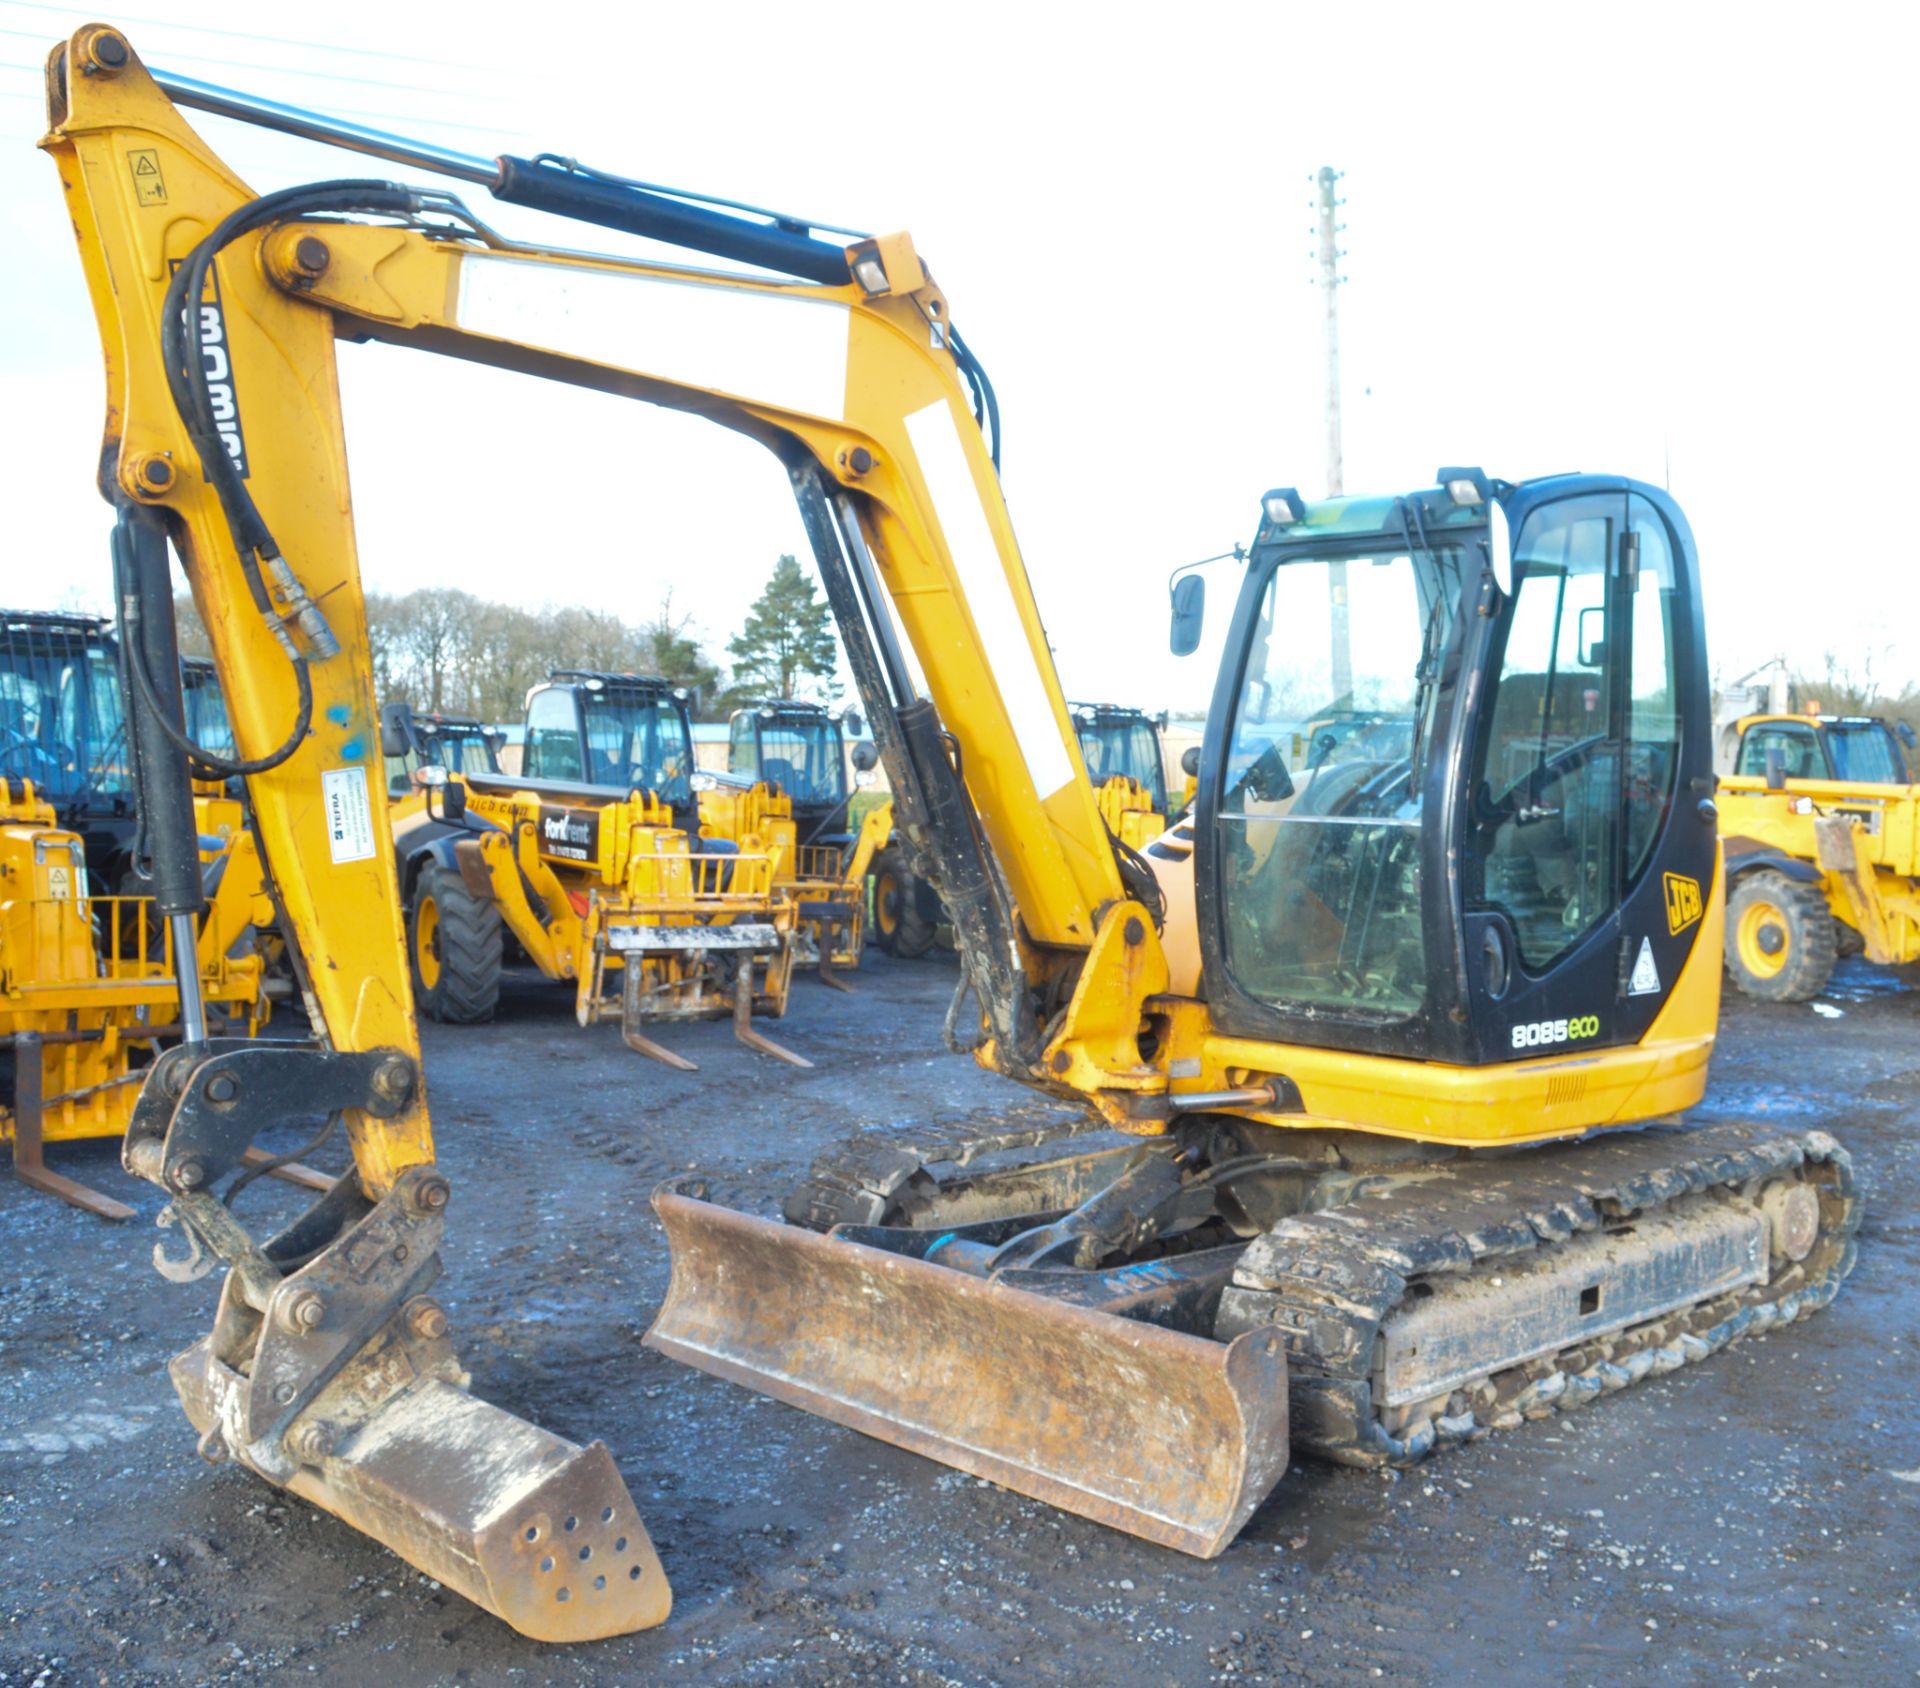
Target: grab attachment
1171, 1437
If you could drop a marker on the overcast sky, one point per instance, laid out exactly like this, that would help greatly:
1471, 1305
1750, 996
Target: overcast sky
1669, 241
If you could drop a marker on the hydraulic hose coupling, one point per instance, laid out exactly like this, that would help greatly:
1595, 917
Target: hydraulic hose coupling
302, 610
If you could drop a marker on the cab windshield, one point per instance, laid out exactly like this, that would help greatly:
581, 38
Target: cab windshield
1320, 812
1865, 753
802, 757
60, 720
1113, 749
634, 740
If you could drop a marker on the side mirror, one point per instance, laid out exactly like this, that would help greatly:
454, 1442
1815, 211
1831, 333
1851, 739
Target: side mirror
855, 722
1190, 761
397, 737
1499, 547
399, 786
1189, 614
453, 801
1776, 770
866, 756
1904, 733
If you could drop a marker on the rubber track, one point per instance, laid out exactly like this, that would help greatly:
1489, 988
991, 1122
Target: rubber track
1330, 1279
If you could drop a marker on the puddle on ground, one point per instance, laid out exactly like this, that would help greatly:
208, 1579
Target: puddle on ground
1862, 981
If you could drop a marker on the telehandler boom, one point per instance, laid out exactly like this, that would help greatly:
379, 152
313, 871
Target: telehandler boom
1478, 937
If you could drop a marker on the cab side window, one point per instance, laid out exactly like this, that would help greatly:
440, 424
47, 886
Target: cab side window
743, 751
1653, 708
553, 738
1546, 792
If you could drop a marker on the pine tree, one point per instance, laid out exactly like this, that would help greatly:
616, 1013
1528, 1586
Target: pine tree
789, 635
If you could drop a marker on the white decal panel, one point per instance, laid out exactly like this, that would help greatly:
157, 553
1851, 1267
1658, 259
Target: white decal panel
943, 461
778, 349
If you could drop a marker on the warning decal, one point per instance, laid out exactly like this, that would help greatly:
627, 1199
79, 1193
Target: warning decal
1646, 976
149, 186
349, 815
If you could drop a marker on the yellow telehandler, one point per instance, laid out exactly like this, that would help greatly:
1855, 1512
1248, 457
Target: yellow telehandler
1361, 1056
1821, 820
793, 749
594, 859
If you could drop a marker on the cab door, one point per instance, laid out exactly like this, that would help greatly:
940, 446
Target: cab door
1570, 860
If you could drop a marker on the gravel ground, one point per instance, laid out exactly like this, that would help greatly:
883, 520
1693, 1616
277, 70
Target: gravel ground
1752, 1519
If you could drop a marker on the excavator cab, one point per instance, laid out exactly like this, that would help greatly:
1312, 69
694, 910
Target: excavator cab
1435, 816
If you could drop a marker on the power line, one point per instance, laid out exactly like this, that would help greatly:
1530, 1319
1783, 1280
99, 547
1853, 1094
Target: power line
275, 40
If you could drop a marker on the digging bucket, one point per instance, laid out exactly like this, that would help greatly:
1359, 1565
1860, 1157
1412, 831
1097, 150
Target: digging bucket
535, 1529
1167, 1436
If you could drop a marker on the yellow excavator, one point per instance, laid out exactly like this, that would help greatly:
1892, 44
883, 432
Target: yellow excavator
1349, 1048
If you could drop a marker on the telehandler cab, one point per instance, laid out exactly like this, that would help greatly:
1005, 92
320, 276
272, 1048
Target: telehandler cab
1401, 969
795, 749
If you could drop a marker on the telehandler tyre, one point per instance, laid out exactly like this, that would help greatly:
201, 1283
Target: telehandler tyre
1781, 938
898, 926
454, 941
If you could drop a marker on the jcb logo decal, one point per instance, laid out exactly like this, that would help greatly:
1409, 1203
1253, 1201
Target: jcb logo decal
1683, 901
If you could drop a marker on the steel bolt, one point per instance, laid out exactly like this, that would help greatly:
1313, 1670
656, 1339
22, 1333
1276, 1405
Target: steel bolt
1136, 931
221, 1088
431, 1193
283, 1393
303, 1312
426, 1320
1061, 1061
310, 1442
393, 1079
190, 1174
859, 460
310, 255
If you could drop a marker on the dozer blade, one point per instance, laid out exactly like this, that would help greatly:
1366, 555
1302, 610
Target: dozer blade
528, 1526
1167, 1436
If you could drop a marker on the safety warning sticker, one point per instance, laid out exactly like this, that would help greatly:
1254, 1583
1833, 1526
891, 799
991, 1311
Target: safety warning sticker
149, 186
349, 814
1646, 976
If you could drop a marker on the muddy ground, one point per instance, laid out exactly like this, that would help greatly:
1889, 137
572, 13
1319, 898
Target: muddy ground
1755, 1518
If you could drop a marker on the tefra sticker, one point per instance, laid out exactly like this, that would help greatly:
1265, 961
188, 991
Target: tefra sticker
349, 814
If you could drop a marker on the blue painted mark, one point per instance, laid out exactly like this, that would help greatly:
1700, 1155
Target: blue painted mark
339, 714
939, 1243
354, 748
